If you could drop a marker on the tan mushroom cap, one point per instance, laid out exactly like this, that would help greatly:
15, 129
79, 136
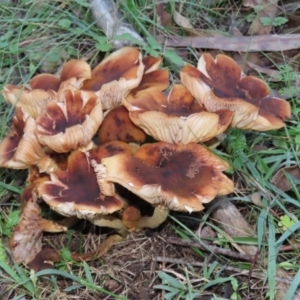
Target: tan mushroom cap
115, 76
21, 148
76, 191
153, 77
181, 177
42, 88
95, 156
70, 124
117, 126
176, 118
220, 84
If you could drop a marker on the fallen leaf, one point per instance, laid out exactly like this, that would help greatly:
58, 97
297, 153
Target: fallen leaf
269, 10
182, 21
163, 17
274, 74
256, 198
281, 180
274, 42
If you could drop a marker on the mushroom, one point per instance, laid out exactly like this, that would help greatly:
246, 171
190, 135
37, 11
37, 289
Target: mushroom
176, 118
72, 123
153, 77
178, 177
21, 148
220, 84
115, 76
44, 259
43, 87
75, 192
117, 126
95, 156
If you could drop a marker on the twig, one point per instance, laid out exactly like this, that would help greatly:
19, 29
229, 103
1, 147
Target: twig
260, 275
212, 249
289, 247
275, 42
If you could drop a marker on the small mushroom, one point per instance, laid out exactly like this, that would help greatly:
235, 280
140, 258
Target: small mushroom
44, 259
220, 84
178, 177
117, 126
21, 148
176, 118
115, 76
70, 124
43, 87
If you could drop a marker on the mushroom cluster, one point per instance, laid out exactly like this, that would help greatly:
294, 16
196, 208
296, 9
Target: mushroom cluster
93, 138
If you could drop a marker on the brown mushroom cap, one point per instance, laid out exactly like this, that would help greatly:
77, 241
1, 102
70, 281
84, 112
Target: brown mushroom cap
76, 191
44, 259
70, 124
42, 88
181, 177
117, 126
21, 148
220, 84
176, 118
95, 156
115, 76
153, 77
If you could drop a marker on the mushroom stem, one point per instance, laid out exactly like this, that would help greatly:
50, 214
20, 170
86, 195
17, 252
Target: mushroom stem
50, 226
59, 226
160, 214
108, 221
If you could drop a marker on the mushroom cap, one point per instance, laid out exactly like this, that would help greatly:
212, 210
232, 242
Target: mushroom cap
220, 84
42, 88
75, 192
115, 76
117, 126
70, 124
21, 148
33, 101
153, 77
95, 156
44, 259
181, 177
176, 118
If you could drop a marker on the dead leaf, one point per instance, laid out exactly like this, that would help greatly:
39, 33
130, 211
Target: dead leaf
281, 180
163, 17
274, 74
256, 198
269, 10
274, 42
182, 21
206, 233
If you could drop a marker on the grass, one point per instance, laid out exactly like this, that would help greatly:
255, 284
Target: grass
39, 37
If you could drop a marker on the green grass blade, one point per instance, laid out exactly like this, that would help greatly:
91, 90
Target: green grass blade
293, 287
271, 259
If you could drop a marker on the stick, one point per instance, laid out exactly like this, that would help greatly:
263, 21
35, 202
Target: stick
212, 249
275, 42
